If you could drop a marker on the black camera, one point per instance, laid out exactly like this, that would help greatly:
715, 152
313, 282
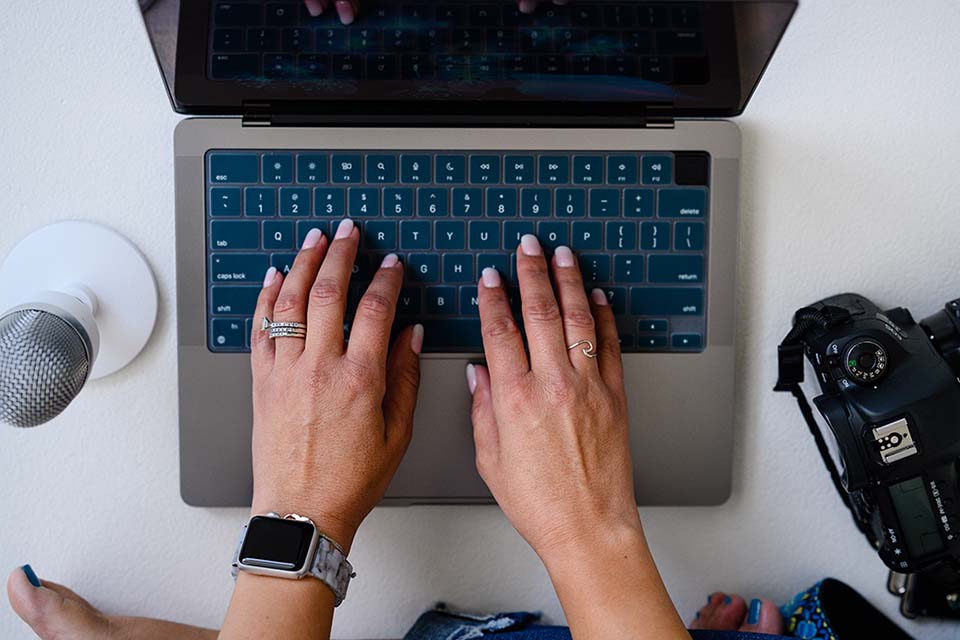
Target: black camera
891, 399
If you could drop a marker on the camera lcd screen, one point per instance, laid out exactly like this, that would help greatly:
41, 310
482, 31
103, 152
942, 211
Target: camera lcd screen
918, 523
276, 544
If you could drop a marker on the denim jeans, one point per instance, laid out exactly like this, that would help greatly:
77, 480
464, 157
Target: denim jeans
444, 624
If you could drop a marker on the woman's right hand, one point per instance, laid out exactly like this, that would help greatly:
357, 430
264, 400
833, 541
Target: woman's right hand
551, 431
553, 446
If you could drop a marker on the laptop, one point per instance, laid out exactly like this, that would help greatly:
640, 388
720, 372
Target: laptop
447, 130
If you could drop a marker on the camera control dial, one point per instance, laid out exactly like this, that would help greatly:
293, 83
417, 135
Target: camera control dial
865, 361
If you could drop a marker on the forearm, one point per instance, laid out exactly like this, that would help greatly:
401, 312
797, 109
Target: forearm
609, 587
263, 607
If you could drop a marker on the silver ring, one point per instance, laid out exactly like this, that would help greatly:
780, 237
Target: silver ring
284, 329
588, 349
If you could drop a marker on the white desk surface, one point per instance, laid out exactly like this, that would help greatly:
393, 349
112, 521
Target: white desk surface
849, 183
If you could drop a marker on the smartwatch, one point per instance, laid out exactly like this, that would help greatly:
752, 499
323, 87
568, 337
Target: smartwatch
292, 547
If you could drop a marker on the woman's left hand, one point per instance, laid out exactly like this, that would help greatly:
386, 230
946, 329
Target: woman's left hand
331, 421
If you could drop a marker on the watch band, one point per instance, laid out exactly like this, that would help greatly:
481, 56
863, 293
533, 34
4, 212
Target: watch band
332, 568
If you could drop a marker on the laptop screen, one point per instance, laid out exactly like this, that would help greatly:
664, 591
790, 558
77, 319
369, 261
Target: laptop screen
463, 58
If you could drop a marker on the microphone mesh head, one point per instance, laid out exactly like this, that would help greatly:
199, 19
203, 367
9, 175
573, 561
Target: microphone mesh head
44, 364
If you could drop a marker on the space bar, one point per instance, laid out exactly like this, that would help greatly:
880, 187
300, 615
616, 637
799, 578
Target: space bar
452, 335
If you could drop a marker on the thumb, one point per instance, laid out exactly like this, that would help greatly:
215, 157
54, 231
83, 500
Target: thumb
403, 383
486, 437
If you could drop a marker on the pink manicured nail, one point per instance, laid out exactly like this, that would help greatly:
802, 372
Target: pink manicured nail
528, 6
345, 9
269, 277
471, 378
344, 229
312, 238
390, 260
564, 257
530, 245
314, 7
416, 340
599, 297
490, 278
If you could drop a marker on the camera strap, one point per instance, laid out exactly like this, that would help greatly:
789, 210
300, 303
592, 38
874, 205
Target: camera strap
790, 375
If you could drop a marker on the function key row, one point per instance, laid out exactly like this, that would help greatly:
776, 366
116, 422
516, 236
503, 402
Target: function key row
482, 14
351, 168
467, 202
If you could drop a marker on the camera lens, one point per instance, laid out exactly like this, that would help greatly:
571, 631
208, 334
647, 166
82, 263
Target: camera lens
865, 361
943, 328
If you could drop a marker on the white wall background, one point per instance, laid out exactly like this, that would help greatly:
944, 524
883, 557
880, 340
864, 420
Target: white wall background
849, 183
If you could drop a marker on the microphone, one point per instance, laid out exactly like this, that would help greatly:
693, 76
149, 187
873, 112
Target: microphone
77, 302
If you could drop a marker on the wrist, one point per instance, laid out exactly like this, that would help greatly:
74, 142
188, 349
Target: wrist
332, 526
590, 544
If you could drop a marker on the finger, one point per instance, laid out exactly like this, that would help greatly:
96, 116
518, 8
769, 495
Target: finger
541, 313
763, 616
261, 346
370, 335
347, 10
291, 304
578, 322
610, 359
528, 6
403, 384
328, 298
315, 7
486, 437
502, 343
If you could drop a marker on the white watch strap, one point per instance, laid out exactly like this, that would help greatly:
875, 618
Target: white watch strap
331, 567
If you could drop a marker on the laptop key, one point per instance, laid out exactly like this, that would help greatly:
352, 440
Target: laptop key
312, 167
571, 203
294, 201
666, 302
442, 300
595, 268
677, 269
622, 170
502, 203
514, 230
381, 169
587, 170
587, 236
380, 235
686, 341
398, 202
484, 169
554, 170
498, 261
227, 333
535, 203
469, 301
604, 203
329, 201
424, 267
621, 236
414, 169
278, 235
414, 235
657, 169
234, 66
237, 14
346, 168
234, 234
234, 167
282, 262
410, 301
433, 203
282, 14
363, 202
233, 300
484, 235
238, 267
628, 269
278, 168
452, 169
225, 201
553, 234
458, 267
689, 236
682, 203
452, 334
638, 203
617, 298
228, 40
467, 202
518, 169
655, 236
451, 234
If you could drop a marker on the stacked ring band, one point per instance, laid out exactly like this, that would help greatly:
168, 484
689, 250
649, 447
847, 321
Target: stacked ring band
284, 329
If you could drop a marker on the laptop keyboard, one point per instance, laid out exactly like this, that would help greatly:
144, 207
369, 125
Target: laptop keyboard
458, 41
637, 221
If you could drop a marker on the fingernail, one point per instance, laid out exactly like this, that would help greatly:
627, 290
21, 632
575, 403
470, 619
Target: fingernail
530, 245
345, 9
599, 297
471, 378
269, 276
344, 229
312, 238
490, 278
31, 575
753, 615
564, 257
416, 339
314, 8
390, 260
528, 6
727, 600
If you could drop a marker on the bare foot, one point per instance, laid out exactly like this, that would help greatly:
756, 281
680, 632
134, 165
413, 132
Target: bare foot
57, 613
725, 612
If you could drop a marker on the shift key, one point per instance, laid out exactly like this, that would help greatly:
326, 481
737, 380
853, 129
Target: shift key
233, 300
666, 302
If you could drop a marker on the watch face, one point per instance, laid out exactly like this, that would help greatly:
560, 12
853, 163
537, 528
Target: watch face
273, 543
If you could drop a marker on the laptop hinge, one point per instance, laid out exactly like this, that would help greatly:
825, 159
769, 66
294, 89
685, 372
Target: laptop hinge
265, 114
